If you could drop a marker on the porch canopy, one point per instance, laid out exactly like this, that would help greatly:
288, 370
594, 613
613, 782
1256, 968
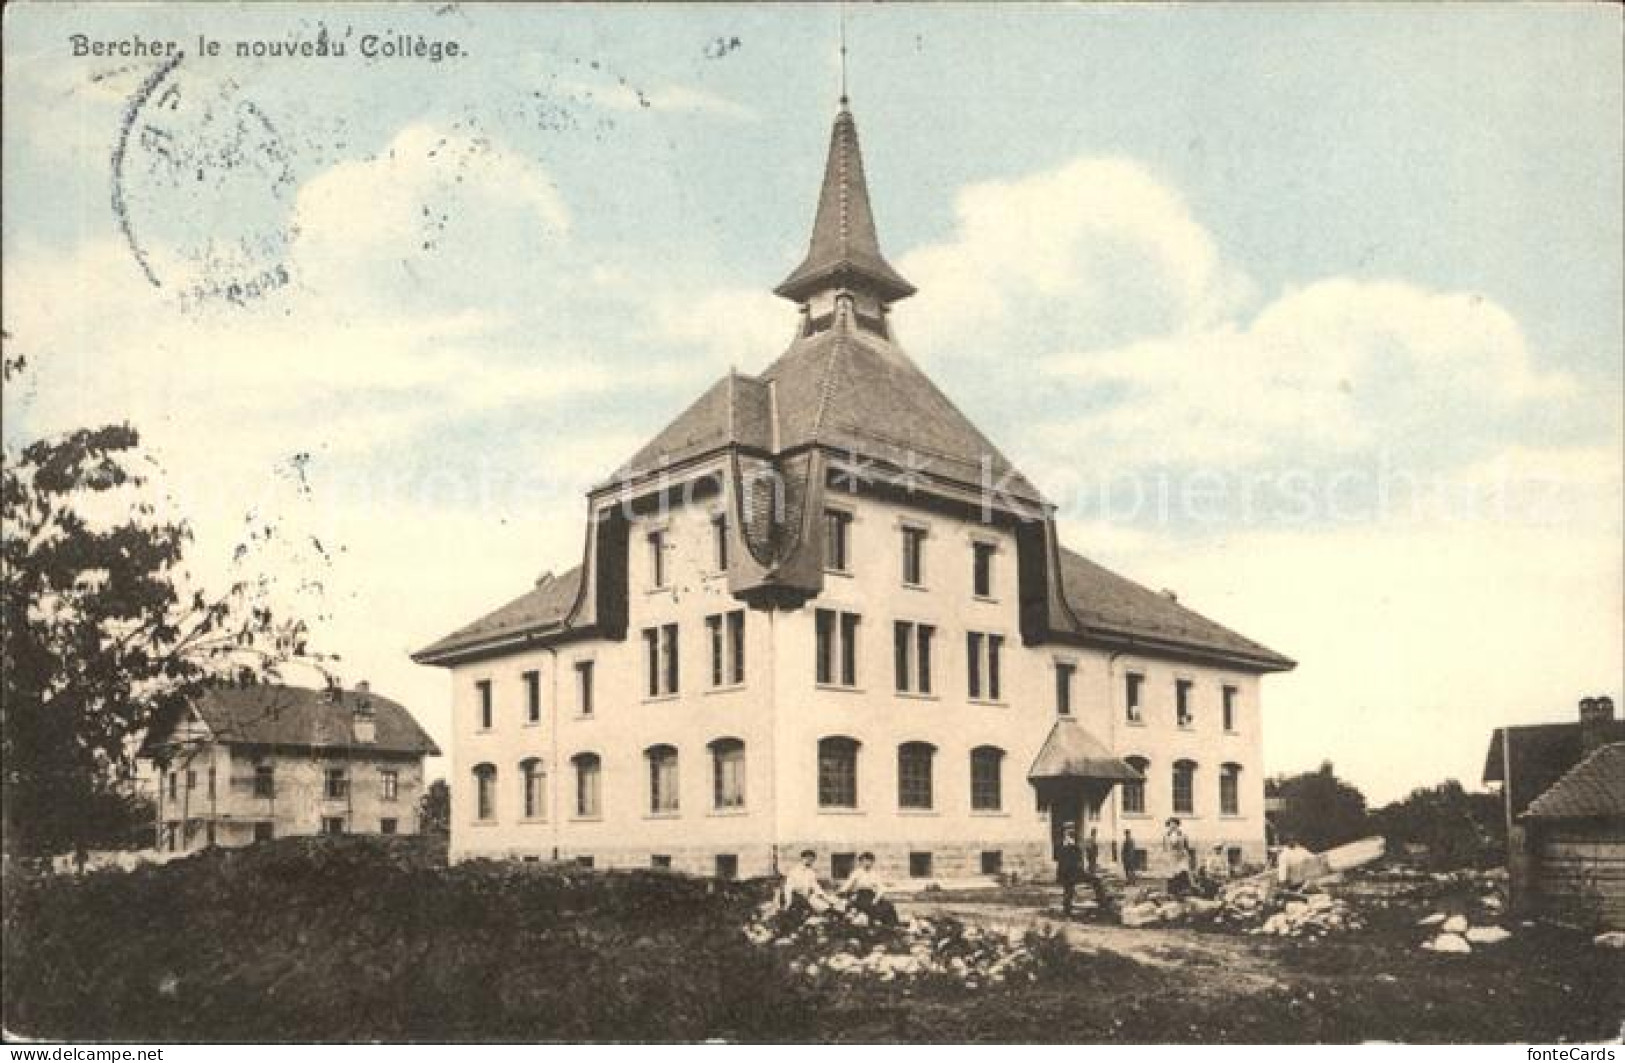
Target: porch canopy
1072, 754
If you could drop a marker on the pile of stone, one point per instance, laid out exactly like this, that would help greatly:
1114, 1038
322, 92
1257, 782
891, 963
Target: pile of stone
1454, 934
836, 945
1316, 915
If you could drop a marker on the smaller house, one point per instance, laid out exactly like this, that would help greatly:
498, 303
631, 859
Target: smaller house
247, 764
1527, 761
1575, 836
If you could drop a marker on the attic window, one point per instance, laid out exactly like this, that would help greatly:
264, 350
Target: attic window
875, 323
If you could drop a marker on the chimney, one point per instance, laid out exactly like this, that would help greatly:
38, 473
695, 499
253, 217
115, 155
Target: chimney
362, 720
1596, 719
1170, 594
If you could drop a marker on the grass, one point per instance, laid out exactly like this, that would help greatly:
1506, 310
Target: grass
363, 939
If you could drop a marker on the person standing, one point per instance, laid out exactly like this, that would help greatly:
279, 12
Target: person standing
1091, 852
1068, 867
1131, 856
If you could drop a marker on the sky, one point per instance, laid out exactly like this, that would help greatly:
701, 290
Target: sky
1311, 313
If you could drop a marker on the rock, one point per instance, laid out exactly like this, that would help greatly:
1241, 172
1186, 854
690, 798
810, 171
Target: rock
1487, 935
1456, 924
1450, 943
1614, 939
1432, 920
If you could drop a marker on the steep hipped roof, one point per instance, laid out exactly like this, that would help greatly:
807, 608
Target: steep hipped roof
544, 608
845, 249
1105, 603
1539, 754
280, 715
1592, 788
1070, 752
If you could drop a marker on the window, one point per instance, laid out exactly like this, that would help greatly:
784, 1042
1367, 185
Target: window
837, 540
986, 782
389, 784
841, 865
919, 865
1230, 694
1184, 787
483, 693
1064, 671
662, 778
174, 782
914, 774
584, 687
1230, 790
982, 569
914, 556
837, 648
992, 862
584, 862
533, 788
719, 542
1133, 710
837, 773
264, 832
657, 559
485, 792
728, 773
727, 632
387, 826
211, 782
660, 861
191, 779
1182, 702
533, 697
332, 825
588, 769
1134, 789
661, 658
727, 866
982, 665
912, 650
264, 781
337, 786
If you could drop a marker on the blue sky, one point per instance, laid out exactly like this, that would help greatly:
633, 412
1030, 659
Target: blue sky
1354, 270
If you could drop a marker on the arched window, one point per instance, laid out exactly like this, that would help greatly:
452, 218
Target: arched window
1134, 789
1184, 787
986, 779
1230, 790
588, 770
485, 791
728, 773
914, 774
662, 778
533, 788
837, 772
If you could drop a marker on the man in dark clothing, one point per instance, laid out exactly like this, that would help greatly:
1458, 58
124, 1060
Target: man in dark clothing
1068, 867
1131, 856
1091, 853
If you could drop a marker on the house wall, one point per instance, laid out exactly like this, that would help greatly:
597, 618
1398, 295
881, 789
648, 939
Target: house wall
1577, 872
299, 802
780, 713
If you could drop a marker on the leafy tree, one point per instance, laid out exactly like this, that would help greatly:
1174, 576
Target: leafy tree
1459, 829
1319, 810
434, 809
101, 634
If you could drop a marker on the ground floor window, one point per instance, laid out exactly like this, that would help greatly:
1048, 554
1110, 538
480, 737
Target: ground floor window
1230, 790
584, 861
992, 862
727, 865
660, 860
264, 832
919, 865
837, 773
1184, 787
1134, 789
332, 824
386, 826
840, 866
587, 767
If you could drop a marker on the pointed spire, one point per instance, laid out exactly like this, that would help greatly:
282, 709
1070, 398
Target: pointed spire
844, 252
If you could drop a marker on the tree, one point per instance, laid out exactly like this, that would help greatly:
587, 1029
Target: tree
1319, 810
1457, 828
102, 636
434, 809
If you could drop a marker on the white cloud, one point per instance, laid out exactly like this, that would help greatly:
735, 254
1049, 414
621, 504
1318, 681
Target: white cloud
1103, 249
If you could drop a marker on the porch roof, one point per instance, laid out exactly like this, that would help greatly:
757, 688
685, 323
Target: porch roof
1070, 752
